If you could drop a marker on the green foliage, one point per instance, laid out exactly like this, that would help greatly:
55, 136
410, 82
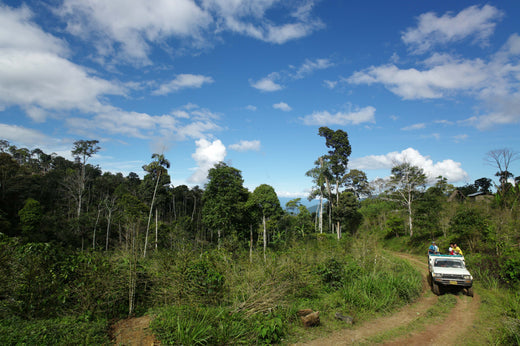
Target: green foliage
510, 269
331, 272
30, 219
55, 331
395, 226
185, 325
204, 280
382, 289
270, 329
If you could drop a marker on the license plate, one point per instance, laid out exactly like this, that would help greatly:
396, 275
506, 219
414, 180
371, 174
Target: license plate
453, 282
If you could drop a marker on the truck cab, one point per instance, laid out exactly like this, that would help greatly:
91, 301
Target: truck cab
449, 270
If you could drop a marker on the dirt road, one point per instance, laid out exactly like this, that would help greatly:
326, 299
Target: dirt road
456, 322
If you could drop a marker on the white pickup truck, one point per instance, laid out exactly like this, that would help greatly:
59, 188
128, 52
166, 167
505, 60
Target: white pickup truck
449, 270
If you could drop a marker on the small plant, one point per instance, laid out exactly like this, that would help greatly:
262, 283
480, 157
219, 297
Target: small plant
331, 273
270, 329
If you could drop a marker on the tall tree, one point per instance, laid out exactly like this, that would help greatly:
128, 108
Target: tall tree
266, 202
406, 184
357, 182
82, 151
223, 199
321, 177
339, 153
155, 169
501, 159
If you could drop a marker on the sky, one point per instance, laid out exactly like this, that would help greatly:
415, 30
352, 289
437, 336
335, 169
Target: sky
250, 82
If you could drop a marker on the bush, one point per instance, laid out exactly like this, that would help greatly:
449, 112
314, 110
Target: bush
57, 331
186, 325
331, 273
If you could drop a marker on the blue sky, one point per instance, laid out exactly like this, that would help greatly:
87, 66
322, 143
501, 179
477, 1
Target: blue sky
435, 83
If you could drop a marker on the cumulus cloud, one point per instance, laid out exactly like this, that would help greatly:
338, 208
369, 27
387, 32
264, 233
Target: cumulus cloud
310, 66
251, 108
190, 121
246, 146
474, 21
206, 156
448, 168
20, 134
271, 82
282, 106
435, 82
183, 81
36, 75
324, 118
249, 18
267, 84
493, 82
125, 29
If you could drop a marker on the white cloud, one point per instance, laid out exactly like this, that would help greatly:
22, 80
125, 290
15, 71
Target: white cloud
267, 83
35, 74
282, 106
188, 122
435, 82
330, 84
251, 108
310, 66
362, 115
29, 137
246, 146
206, 156
414, 127
183, 81
28, 37
474, 21
447, 168
249, 18
126, 27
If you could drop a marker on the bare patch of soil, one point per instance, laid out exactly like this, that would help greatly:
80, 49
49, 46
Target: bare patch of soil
133, 332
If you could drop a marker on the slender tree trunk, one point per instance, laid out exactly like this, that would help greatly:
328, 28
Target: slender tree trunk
109, 219
410, 221
250, 243
156, 228
338, 228
194, 207
150, 214
265, 237
321, 213
94, 233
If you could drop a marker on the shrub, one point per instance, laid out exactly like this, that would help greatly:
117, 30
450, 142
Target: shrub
331, 272
57, 331
186, 325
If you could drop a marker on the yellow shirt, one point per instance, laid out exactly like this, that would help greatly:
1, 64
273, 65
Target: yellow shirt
458, 250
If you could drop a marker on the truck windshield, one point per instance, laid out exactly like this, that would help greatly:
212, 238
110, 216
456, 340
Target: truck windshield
449, 264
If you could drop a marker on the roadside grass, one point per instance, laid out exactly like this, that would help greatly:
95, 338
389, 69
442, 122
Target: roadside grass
498, 322
260, 299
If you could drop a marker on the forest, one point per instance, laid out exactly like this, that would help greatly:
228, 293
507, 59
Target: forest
81, 248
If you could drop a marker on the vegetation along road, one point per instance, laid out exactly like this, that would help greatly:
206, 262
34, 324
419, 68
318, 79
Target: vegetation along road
413, 325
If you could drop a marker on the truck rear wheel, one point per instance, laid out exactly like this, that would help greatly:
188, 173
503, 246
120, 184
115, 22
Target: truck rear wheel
470, 291
436, 289
430, 279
